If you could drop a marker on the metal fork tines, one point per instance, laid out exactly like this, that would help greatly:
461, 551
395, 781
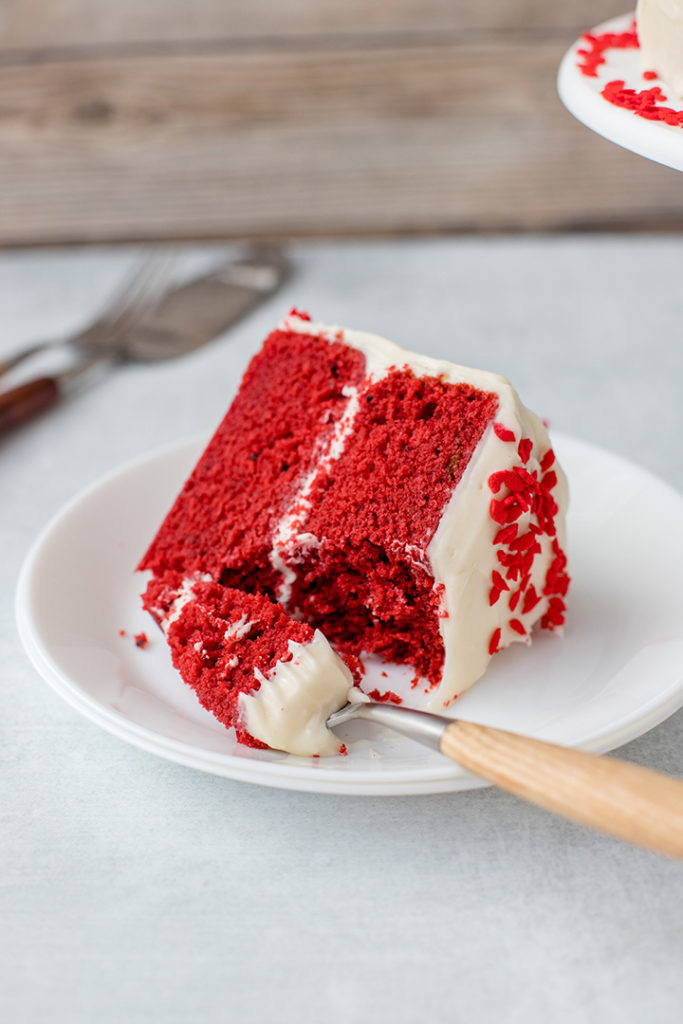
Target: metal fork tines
135, 297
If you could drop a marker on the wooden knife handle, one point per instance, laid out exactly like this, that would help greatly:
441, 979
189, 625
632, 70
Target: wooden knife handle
621, 799
23, 402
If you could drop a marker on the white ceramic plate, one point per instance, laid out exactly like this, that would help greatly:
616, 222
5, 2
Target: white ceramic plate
617, 672
582, 97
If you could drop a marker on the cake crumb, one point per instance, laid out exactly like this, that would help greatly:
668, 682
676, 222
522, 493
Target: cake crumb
141, 640
389, 697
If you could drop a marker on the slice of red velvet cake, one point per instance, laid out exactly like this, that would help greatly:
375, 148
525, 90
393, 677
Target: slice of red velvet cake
357, 499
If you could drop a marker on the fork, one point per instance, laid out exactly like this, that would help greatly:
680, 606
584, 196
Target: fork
134, 297
147, 322
624, 800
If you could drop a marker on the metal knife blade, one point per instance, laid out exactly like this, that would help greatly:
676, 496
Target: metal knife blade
194, 313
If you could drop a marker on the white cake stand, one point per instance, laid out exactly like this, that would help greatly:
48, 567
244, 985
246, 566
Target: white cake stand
581, 95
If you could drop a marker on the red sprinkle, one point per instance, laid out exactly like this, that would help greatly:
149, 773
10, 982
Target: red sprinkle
498, 581
549, 480
503, 514
506, 534
524, 449
503, 433
547, 460
517, 626
649, 75
494, 641
496, 480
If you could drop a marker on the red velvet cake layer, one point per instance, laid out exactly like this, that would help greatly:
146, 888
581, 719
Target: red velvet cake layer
411, 441
289, 402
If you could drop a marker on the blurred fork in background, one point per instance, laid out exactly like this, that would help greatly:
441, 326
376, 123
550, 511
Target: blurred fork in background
146, 322
137, 294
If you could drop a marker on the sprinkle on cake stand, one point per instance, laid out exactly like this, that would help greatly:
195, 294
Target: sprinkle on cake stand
601, 81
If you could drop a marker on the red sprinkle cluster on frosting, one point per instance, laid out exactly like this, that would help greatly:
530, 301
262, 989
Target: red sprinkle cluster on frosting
646, 103
517, 491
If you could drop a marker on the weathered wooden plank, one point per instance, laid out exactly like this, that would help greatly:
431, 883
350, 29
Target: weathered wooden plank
416, 139
44, 24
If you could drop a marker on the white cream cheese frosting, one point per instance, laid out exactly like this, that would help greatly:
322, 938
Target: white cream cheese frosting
660, 34
290, 709
463, 557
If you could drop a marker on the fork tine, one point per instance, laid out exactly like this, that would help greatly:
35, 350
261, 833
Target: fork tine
141, 286
128, 282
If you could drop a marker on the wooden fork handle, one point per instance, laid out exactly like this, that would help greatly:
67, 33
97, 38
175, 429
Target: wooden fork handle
24, 402
621, 799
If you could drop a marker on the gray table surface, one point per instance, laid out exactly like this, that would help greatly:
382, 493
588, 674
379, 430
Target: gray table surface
137, 890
